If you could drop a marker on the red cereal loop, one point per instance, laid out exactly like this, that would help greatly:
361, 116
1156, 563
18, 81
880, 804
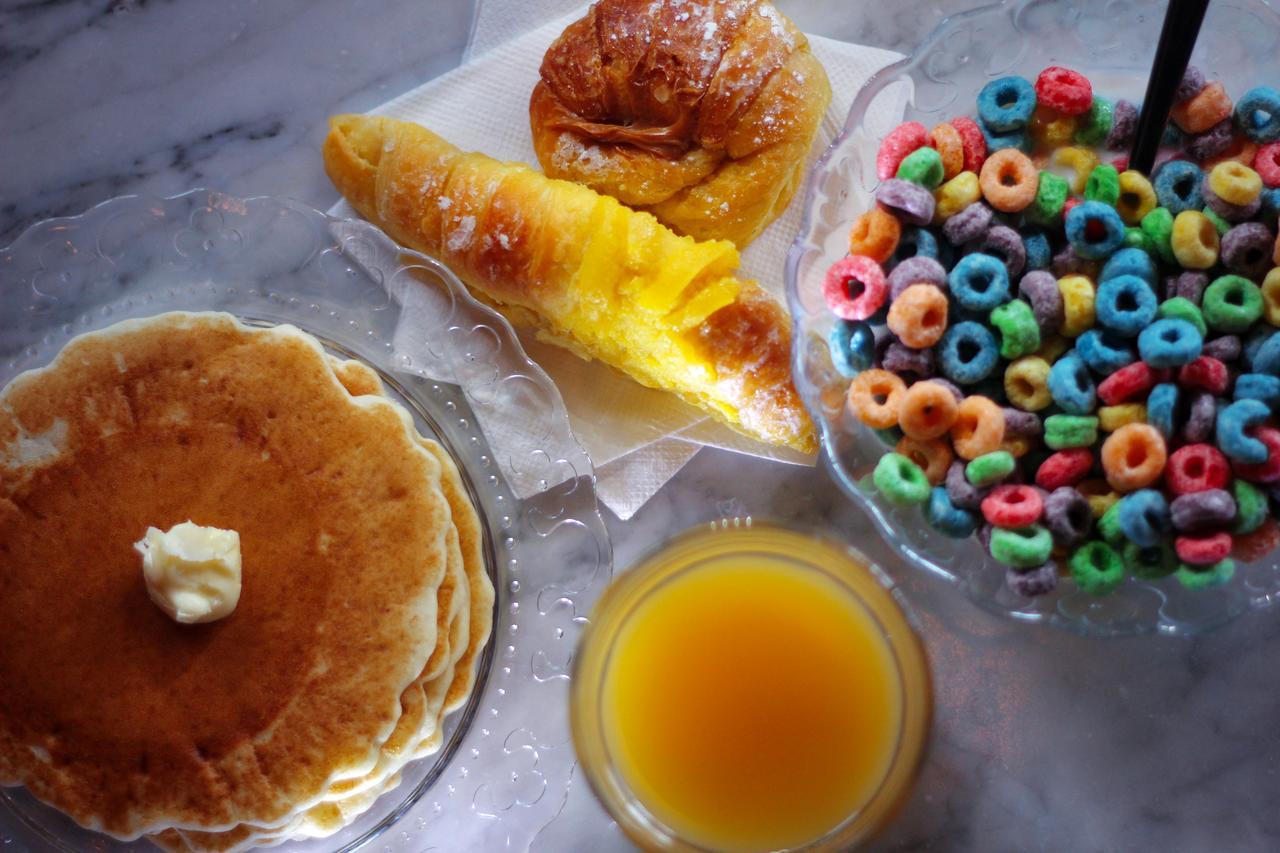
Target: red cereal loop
950, 147
1064, 468
1012, 506
975, 144
900, 142
1264, 472
1121, 163
854, 287
1127, 383
1064, 90
1203, 110
1267, 164
1196, 468
1257, 544
1206, 373
1203, 550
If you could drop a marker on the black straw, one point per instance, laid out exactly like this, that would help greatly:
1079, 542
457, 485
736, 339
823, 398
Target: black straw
1177, 39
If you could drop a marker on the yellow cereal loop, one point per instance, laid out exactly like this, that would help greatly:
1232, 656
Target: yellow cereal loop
1111, 418
1137, 197
1271, 297
1195, 240
1235, 182
1099, 494
1026, 383
1077, 304
1017, 446
1081, 161
1052, 346
955, 195
1051, 129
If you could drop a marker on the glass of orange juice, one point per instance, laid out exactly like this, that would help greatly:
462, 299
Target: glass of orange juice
751, 687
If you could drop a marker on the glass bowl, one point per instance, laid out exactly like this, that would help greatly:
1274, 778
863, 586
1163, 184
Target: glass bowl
507, 759
1113, 42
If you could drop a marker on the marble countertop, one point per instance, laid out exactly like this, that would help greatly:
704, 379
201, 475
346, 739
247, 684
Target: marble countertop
1043, 740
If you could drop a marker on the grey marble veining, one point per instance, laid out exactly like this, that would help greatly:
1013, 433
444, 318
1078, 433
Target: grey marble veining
1042, 740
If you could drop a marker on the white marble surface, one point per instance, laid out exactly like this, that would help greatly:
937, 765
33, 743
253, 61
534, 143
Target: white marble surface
1043, 741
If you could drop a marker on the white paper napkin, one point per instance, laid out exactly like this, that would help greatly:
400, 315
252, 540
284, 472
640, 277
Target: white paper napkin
638, 438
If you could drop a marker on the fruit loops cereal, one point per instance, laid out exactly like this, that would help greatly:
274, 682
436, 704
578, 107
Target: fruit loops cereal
1076, 363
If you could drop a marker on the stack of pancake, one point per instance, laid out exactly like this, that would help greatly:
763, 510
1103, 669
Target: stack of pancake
364, 608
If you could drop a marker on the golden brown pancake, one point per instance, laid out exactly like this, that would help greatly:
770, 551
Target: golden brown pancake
130, 722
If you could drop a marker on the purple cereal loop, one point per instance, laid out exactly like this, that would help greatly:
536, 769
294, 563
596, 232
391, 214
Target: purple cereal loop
1247, 249
1200, 418
1041, 580
1212, 142
1040, 289
1006, 244
950, 386
968, 225
1190, 85
1124, 121
911, 202
1203, 510
919, 269
984, 535
1067, 262
899, 358
1225, 209
1189, 285
1068, 516
1022, 424
961, 492
1225, 349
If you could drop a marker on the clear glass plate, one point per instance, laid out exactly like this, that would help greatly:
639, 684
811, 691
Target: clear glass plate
1111, 41
507, 760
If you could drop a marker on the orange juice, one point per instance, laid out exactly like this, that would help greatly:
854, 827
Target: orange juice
742, 691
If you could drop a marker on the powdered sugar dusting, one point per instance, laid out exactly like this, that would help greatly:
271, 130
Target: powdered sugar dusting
461, 236
444, 202
571, 154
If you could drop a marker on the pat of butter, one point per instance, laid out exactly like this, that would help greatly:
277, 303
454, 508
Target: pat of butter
192, 572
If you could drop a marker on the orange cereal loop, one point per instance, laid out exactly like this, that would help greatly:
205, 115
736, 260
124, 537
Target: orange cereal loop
946, 140
1242, 151
1009, 180
1133, 457
1203, 110
919, 315
927, 411
979, 427
933, 456
874, 398
875, 234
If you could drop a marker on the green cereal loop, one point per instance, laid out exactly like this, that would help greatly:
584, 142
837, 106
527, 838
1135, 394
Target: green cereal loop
889, 437
1136, 238
1019, 331
990, 468
922, 166
1063, 431
1251, 506
1200, 577
900, 480
1051, 197
1182, 308
1158, 225
1092, 127
1231, 304
1109, 525
1157, 561
1096, 568
1022, 548
1103, 185
1221, 224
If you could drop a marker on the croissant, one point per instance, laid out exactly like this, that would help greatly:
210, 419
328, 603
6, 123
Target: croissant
587, 272
702, 113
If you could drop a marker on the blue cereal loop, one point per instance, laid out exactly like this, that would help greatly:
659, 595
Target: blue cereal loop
1039, 253
1258, 386
1257, 114
967, 352
1270, 202
1125, 304
948, 518
1006, 104
1018, 139
1130, 262
853, 347
1162, 409
1071, 386
1177, 186
1265, 356
979, 282
1233, 420
1094, 230
1144, 517
914, 242
1104, 352
1169, 343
